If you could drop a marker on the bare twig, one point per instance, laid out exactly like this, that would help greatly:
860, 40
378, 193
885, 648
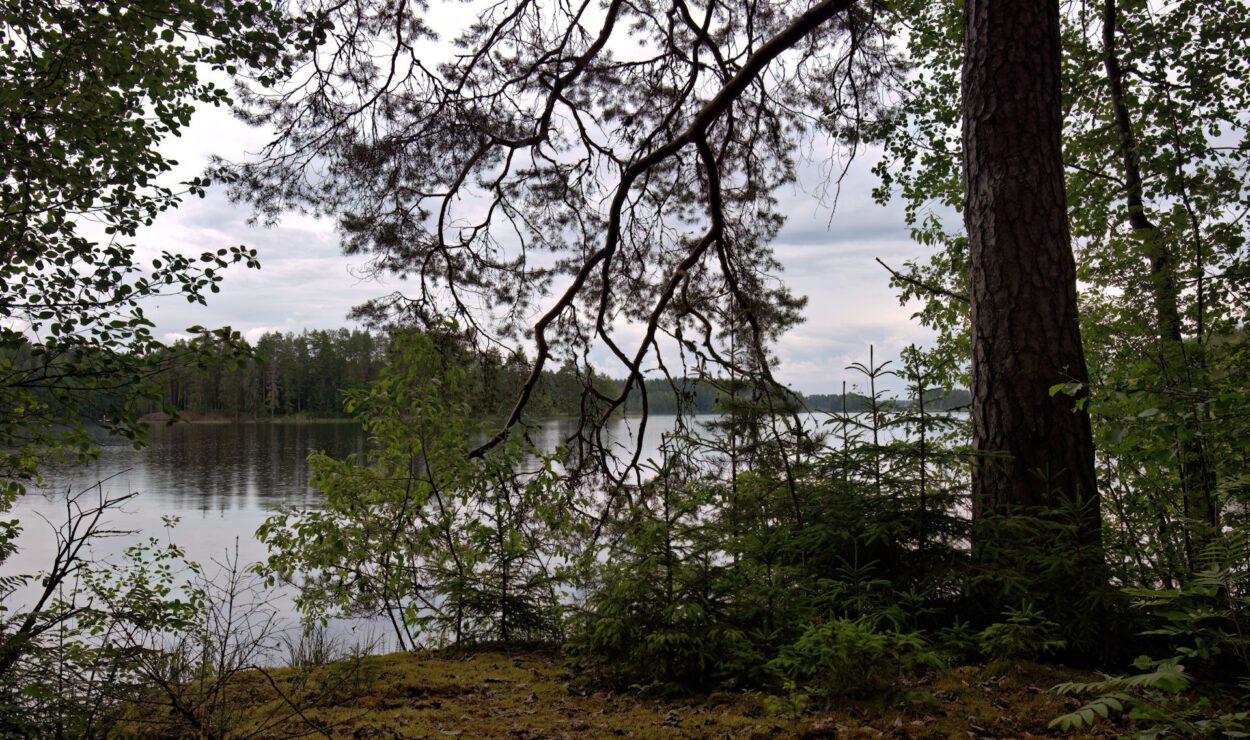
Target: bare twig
921, 284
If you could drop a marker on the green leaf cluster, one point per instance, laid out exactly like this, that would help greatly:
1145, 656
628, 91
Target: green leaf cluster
88, 91
444, 547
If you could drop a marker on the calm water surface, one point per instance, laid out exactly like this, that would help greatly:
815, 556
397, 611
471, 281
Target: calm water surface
220, 480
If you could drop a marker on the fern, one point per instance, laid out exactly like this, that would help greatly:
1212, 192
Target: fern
1085, 717
1168, 678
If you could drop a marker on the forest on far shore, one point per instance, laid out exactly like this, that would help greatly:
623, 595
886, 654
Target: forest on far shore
305, 375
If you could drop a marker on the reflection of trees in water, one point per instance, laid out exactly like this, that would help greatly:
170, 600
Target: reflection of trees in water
251, 467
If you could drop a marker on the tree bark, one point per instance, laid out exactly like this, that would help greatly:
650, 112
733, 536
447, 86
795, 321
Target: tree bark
1034, 449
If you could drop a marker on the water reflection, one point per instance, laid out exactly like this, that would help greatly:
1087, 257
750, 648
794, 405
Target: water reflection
225, 467
221, 481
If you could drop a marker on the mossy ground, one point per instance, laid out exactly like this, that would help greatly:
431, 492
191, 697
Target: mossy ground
533, 694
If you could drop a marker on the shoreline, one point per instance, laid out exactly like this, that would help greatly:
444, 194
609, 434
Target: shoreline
161, 419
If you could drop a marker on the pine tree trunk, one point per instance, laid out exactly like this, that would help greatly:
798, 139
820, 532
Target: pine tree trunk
1034, 448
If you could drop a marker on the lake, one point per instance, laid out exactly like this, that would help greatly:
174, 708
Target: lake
221, 481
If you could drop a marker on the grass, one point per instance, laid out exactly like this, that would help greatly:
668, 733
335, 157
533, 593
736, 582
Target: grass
532, 693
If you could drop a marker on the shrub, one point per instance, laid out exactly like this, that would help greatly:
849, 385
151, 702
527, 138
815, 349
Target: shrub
842, 657
1026, 635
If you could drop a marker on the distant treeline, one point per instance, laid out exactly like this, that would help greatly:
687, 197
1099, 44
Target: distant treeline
306, 374
704, 397
935, 400
292, 374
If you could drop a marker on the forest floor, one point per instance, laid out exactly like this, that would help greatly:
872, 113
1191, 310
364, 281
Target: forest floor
534, 694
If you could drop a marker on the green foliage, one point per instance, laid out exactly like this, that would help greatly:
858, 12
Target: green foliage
1083, 718
842, 657
747, 542
444, 546
1204, 626
305, 375
832, 560
1162, 307
89, 93
78, 653
1155, 535
186, 676
294, 375
1026, 635
1154, 695
1039, 563
662, 612
1206, 623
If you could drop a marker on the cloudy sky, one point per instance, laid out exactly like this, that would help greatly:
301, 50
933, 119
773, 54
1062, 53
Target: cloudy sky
306, 283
